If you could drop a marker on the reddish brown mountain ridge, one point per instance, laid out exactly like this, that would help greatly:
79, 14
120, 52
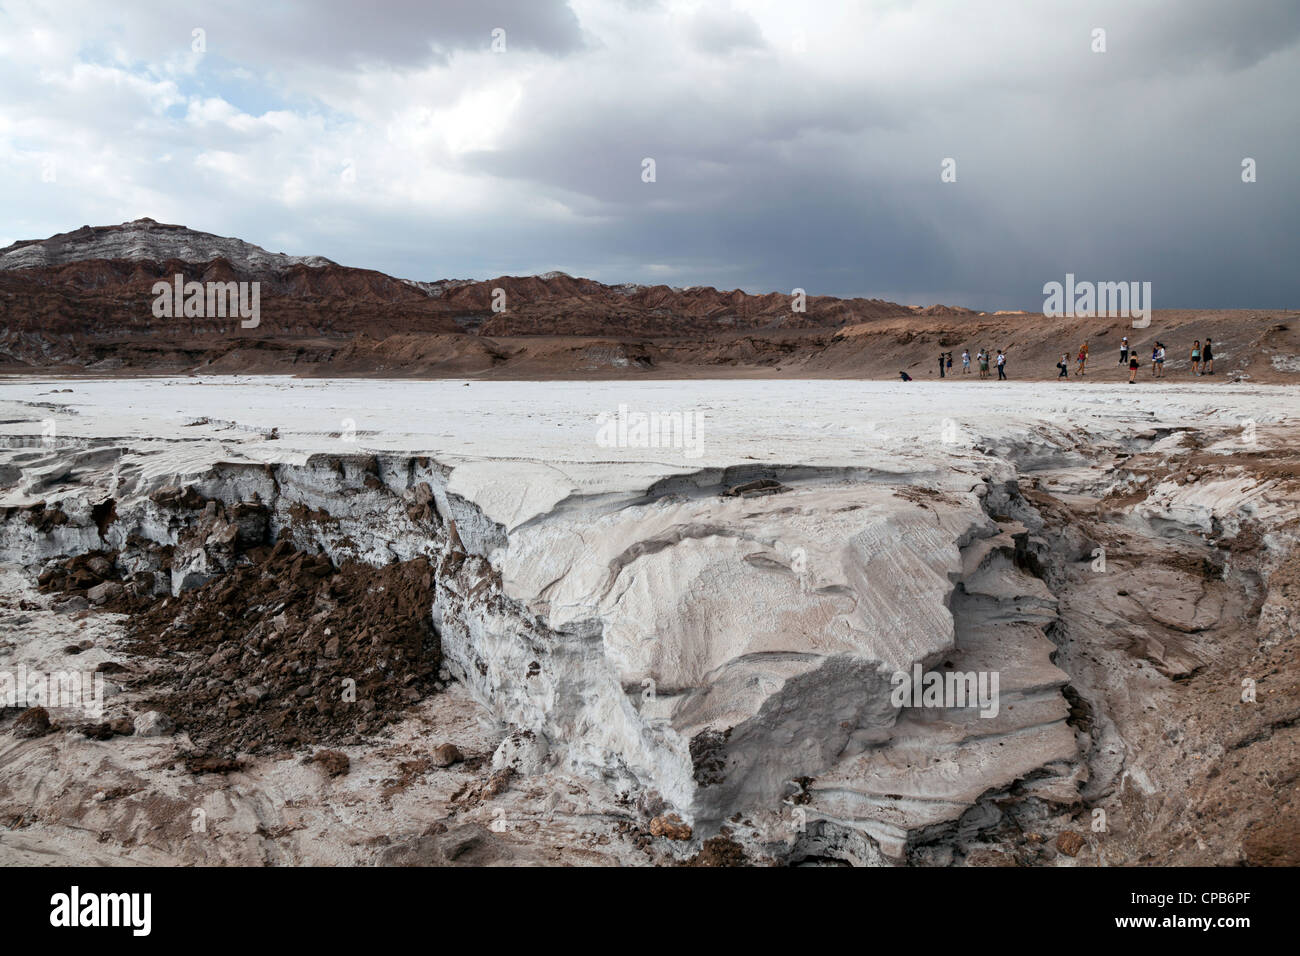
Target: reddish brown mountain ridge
73, 297
82, 302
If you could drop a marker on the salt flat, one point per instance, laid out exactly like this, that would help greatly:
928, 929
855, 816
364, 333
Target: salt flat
544, 436
810, 422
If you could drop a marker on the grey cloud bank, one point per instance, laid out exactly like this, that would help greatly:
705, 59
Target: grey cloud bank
793, 147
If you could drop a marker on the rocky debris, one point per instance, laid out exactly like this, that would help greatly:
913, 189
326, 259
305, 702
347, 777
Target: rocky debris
1070, 843
254, 671
97, 578
760, 486
334, 762
524, 752
154, 724
497, 783
45, 519
108, 729
201, 763
671, 827
1276, 841
445, 755
988, 856
104, 592
32, 722
720, 850
213, 544
79, 574
468, 844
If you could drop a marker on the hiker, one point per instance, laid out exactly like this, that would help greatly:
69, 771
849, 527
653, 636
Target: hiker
1123, 351
1132, 367
965, 361
904, 376
984, 363
1160, 359
950, 361
1064, 365
941, 365
1082, 360
1002, 365
1207, 359
1196, 357
1155, 351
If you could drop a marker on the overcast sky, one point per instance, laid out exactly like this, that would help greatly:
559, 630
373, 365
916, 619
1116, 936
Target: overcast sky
795, 143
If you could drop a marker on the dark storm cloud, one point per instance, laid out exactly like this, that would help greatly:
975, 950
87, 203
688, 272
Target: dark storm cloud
1238, 35
794, 144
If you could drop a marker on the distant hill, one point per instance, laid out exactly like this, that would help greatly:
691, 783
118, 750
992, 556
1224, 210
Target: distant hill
83, 301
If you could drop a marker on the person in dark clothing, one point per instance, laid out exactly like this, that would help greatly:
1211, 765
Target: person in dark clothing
941, 358
1207, 358
905, 377
1064, 366
1002, 365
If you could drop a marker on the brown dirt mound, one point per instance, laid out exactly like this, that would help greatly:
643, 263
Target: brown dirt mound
719, 851
289, 650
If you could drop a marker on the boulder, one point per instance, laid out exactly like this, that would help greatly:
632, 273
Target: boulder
444, 755
32, 722
524, 752
104, 592
153, 724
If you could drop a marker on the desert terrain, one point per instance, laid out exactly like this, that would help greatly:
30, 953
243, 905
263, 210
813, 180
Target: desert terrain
538, 570
81, 303
461, 622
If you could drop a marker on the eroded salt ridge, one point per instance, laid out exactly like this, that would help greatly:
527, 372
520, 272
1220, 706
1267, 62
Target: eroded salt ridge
719, 640
705, 641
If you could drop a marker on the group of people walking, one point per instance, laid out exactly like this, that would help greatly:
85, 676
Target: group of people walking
983, 359
1202, 357
1080, 362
